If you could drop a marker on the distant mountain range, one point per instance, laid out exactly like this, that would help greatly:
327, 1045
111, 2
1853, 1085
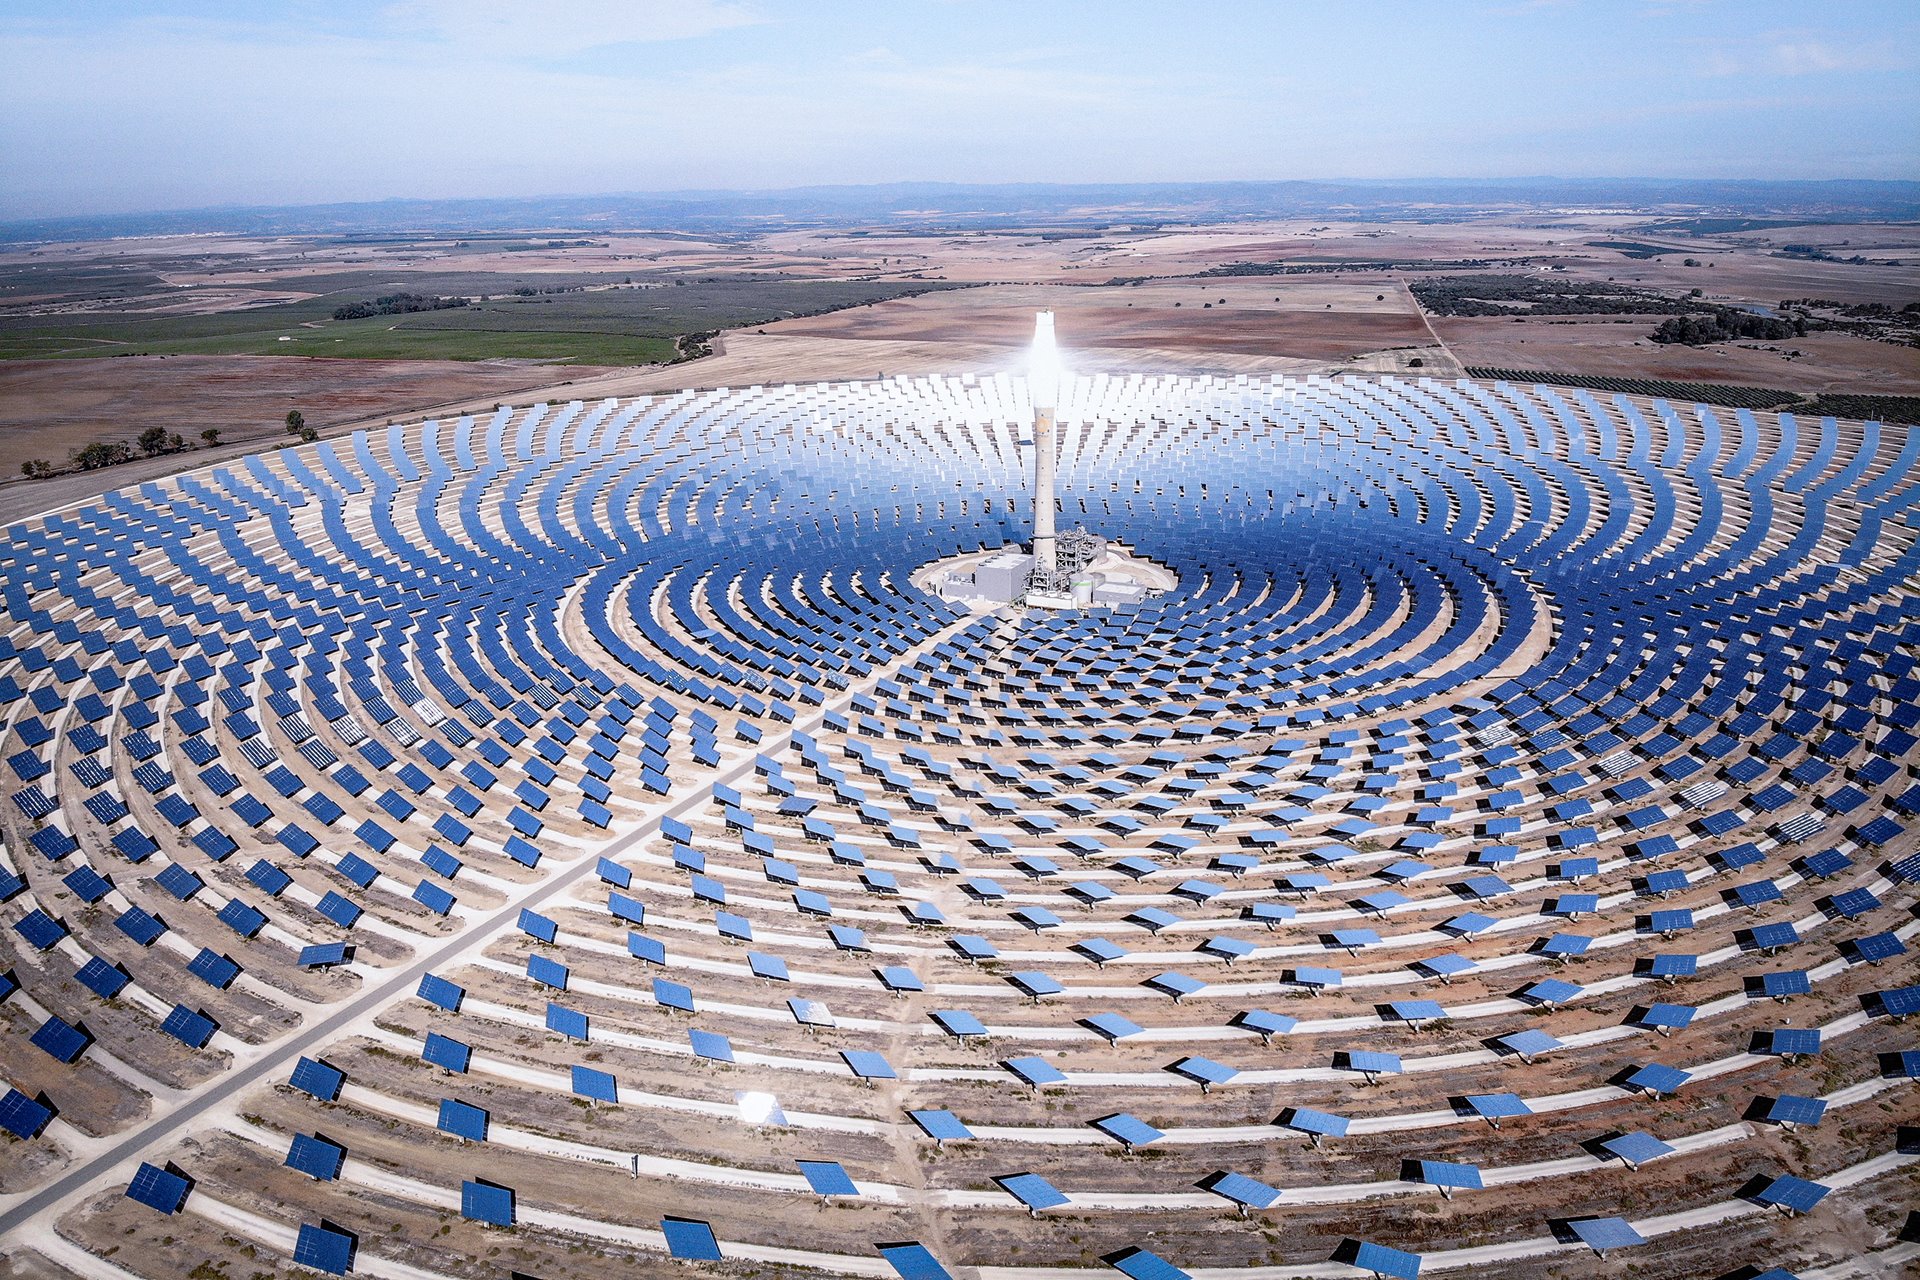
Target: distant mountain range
960, 206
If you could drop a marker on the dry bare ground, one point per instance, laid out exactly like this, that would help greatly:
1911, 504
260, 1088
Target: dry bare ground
1350, 321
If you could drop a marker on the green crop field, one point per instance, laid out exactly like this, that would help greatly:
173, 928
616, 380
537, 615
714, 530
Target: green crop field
585, 319
371, 339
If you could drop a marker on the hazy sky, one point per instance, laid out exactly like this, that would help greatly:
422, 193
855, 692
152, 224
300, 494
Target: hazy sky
135, 106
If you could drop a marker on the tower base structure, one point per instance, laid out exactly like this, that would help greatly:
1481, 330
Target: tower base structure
1091, 574
1074, 583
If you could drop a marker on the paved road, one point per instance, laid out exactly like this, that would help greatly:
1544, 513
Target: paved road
279, 1057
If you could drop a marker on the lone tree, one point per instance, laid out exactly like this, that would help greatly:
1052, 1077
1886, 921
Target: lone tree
153, 441
211, 435
36, 469
297, 426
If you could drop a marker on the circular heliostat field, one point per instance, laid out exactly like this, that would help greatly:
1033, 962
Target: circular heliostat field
567, 841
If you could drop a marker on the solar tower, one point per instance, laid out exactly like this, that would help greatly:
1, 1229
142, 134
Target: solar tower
1043, 381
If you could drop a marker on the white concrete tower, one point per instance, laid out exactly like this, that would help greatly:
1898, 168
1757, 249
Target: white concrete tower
1043, 383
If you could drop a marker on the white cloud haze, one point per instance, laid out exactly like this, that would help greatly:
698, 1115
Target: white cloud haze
177, 103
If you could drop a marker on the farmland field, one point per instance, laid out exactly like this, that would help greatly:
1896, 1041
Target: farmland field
571, 318
200, 321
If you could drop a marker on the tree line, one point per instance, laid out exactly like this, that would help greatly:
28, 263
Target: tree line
1724, 324
151, 443
396, 304
1536, 295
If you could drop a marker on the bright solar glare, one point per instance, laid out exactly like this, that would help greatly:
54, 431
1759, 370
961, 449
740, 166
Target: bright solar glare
1043, 366
757, 1108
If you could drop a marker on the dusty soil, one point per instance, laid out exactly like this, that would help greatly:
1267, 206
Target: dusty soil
1115, 292
24, 1264
1618, 346
1189, 318
48, 408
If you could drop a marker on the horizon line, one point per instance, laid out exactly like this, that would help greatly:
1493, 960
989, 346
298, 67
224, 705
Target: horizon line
713, 193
